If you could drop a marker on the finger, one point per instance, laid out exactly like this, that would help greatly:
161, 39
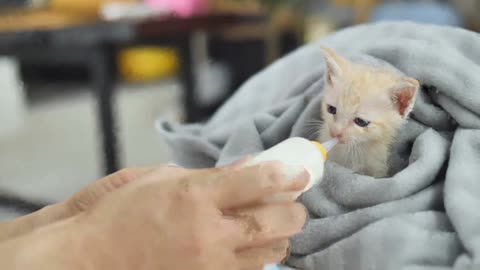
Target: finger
233, 188
262, 224
258, 257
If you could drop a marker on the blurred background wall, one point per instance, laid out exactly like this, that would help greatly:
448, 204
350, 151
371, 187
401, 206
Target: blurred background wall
65, 65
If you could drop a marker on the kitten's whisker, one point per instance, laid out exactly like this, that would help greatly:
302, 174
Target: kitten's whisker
313, 132
314, 128
355, 149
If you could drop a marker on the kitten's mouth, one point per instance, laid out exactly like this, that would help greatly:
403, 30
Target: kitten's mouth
341, 140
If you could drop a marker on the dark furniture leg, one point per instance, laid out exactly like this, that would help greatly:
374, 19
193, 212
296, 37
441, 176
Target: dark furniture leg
16, 203
187, 78
102, 74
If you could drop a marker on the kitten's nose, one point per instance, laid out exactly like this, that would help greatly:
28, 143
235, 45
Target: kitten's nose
335, 133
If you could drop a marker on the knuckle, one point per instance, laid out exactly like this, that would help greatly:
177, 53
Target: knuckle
297, 213
272, 172
77, 205
124, 176
83, 200
188, 192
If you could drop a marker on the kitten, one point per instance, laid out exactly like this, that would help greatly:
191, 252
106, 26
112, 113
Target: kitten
363, 106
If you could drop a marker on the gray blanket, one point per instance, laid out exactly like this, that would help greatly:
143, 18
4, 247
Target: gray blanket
427, 215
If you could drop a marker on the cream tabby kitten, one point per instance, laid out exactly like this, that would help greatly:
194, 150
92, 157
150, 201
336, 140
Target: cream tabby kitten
363, 106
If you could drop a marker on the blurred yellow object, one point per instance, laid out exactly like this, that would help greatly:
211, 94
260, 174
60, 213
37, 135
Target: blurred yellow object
354, 3
38, 19
88, 8
235, 6
139, 64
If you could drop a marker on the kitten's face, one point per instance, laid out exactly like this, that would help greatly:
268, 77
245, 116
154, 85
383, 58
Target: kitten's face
364, 104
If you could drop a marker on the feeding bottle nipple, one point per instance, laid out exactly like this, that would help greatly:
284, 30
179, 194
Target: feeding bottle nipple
330, 144
326, 147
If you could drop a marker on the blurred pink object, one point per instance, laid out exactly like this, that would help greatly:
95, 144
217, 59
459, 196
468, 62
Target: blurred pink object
184, 8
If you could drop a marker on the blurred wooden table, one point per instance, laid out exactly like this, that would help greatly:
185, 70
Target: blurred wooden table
95, 45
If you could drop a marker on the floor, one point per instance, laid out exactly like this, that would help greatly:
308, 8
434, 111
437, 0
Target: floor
57, 151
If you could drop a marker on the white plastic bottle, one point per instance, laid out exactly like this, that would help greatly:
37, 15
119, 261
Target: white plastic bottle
299, 153
302, 154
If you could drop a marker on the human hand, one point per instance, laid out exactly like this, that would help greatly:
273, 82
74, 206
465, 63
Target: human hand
175, 218
171, 218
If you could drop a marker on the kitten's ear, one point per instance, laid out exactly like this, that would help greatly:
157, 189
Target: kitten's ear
404, 95
334, 64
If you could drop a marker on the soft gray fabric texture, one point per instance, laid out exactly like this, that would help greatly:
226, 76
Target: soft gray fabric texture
427, 215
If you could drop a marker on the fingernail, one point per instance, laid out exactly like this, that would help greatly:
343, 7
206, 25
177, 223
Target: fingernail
307, 218
301, 178
288, 252
283, 197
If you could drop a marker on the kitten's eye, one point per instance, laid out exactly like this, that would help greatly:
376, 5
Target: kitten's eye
331, 110
361, 123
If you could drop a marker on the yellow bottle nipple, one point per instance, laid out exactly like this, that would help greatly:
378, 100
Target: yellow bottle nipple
322, 149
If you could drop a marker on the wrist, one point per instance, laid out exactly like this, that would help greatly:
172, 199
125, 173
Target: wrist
28, 223
56, 246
